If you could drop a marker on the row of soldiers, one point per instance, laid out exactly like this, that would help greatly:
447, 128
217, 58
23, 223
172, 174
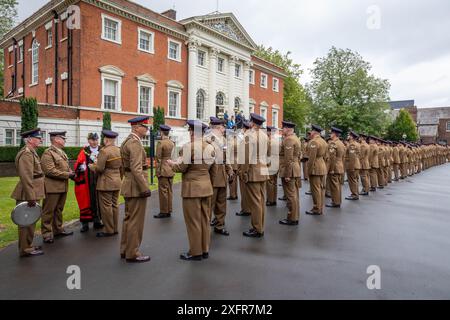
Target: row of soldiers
206, 177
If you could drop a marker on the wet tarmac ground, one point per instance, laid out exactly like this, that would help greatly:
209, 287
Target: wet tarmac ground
404, 230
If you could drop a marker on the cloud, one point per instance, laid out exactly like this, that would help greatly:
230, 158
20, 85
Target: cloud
411, 48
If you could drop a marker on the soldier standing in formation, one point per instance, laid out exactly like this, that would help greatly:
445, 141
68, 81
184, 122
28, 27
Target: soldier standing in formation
336, 152
317, 169
30, 187
232, 141
374, 164
221, 174
290, 172
164, 173
245, 209
196, 190
55, 165
353, 165
396, 161
255, 174
272, 183
108, 168
364, 156
135, 190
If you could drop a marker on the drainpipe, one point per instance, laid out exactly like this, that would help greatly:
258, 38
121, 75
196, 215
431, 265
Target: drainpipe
23, 67
14, 84
69, 67
56, 17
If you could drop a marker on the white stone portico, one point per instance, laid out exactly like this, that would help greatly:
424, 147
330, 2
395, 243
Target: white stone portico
219, 65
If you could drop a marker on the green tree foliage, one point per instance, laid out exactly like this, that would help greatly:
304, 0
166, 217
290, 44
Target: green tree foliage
403, 125
30, 115
158, 118
8, 15
297, 103
346, 95
106, 123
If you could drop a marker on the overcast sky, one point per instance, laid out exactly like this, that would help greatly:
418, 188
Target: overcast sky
407, 42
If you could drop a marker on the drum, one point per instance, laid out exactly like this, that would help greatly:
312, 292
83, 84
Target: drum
25, 216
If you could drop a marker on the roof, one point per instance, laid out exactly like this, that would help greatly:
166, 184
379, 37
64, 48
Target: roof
402, 104
225, 24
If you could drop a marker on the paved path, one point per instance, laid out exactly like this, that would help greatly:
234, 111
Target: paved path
404, 229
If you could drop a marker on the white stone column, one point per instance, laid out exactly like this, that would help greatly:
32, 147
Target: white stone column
213, 52
232, 63
246, 97
192, 80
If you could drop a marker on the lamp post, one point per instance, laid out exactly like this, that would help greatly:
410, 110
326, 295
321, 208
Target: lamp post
404, 136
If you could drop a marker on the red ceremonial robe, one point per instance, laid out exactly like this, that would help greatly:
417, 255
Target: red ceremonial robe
82, 192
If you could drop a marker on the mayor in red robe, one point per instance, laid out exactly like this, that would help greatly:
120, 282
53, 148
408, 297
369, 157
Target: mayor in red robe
86, 185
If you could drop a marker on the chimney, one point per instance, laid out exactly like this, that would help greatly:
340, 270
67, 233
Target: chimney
171, 14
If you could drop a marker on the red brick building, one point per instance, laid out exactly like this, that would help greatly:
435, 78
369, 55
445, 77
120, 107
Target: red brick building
92, 56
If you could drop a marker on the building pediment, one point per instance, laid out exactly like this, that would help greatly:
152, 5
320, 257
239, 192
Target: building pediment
112, 70
224, 25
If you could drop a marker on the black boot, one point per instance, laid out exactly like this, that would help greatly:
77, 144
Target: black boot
84, 227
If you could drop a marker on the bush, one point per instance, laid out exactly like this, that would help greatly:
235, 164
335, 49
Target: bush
8, 154
30, 115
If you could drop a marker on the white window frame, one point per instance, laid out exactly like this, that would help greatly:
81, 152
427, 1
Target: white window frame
44, 138
261, 108
21, 52
204, 58
448, 126
34, 73
175, 90
119, 29
151, 86
223, 65
152, 40
119, 91
178, 58
13, 137
277, 112
263, 75
276, 88
252, 76
49, 35
238, 69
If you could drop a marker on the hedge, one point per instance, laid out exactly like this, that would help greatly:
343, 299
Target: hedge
8, 154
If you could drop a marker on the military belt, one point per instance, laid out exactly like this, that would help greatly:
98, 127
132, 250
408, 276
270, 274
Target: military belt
129, 170
37, 176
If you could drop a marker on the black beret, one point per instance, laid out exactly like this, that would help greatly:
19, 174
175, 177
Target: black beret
288, 124
336, 130
257, 119
109, 134
163, 127
35, 133
316, 128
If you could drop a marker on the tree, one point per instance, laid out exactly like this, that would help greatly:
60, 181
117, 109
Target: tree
403, 125
8, 15
30, 115
158, 118
346, 95
297, 103
106, 124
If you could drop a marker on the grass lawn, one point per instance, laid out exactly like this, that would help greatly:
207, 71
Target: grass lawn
8, 230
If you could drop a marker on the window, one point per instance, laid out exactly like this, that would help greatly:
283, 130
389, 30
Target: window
263, 109
49, 38
275, 118
174, 103
174, 50
110, 94
251, 77
237, 70
252, 108
145, 99
9, 137
220, 104
220, 64
20, 53
264, 80
34, 62
146, 141
146, 41
276, 85
44, 138
201, 58
237, 104
111, 29
448, 125
200, 105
